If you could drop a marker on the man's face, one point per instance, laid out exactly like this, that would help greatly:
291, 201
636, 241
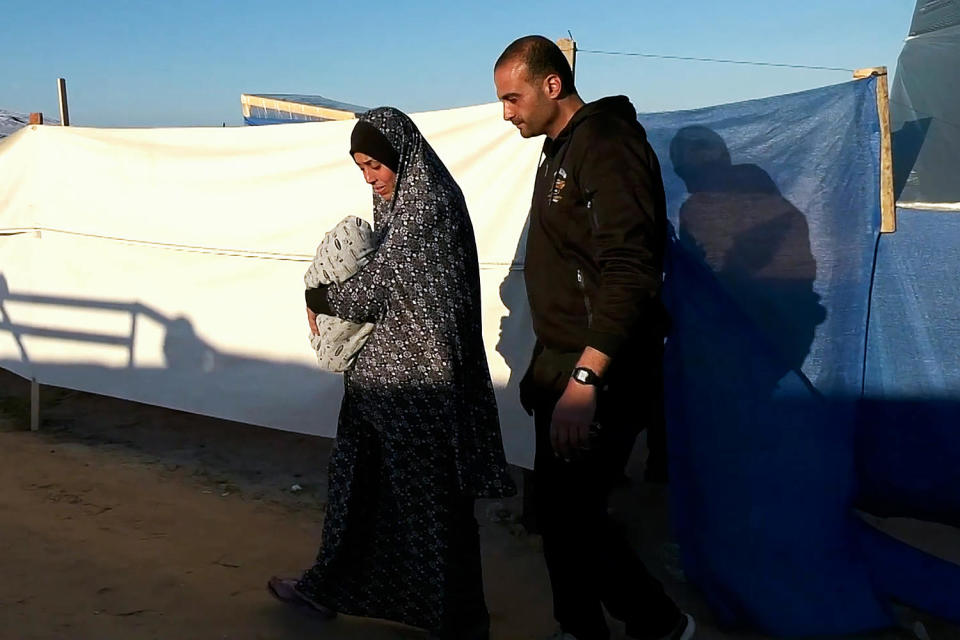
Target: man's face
525, 102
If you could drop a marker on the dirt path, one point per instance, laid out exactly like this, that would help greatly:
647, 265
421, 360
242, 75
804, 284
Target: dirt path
120, 520
124, 521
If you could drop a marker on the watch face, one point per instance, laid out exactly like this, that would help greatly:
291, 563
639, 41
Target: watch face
583, 376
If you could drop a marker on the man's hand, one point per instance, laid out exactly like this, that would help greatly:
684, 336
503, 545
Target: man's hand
572, 417
312, 321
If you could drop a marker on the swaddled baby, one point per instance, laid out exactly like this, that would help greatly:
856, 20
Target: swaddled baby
345, 249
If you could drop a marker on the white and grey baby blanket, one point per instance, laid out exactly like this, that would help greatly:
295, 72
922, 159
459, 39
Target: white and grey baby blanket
345, 249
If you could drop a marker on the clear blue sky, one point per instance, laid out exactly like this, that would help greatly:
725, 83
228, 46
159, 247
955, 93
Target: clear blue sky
131, 63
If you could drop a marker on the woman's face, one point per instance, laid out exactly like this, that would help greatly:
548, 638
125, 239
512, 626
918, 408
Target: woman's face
377, 175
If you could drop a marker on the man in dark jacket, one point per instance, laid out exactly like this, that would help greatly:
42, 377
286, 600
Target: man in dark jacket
593, 272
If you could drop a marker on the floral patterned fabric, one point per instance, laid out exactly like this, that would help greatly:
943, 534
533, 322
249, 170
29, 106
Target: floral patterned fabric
418, 436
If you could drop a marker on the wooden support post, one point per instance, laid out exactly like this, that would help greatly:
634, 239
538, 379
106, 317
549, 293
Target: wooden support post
888, 204
569, 48
34, 405
64, 112
36, 118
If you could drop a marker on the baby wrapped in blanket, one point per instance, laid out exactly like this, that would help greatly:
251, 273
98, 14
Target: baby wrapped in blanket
345, 249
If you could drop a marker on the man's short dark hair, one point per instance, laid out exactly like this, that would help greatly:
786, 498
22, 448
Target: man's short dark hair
542, 57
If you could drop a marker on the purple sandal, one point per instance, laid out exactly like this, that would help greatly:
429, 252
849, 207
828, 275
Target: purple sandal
285, 590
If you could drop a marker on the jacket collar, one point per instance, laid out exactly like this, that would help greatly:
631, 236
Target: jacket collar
618, 106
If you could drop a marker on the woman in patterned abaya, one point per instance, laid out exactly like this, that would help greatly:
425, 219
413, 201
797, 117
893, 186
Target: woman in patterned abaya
418, 439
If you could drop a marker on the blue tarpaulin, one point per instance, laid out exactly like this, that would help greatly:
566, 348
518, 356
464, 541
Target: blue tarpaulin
774, 208
911, 409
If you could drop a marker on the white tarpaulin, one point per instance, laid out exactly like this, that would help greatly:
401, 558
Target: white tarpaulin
165, 265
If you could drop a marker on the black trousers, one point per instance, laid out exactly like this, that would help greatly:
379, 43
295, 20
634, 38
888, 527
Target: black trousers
590, 563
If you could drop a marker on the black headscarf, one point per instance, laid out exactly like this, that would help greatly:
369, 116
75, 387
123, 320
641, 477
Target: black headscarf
367, 139
423, 182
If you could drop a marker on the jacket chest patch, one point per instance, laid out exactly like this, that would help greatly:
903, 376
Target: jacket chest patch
555, 194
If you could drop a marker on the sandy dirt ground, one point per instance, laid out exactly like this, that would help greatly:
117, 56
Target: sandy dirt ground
125, 521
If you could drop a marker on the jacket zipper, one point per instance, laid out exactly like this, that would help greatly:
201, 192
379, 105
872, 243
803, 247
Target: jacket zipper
586, 300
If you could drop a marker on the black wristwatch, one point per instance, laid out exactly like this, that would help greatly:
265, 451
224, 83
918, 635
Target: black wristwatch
583, 375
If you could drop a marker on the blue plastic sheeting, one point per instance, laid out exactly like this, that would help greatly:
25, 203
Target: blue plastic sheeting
908, 432
256, 121
780, 197
914, 346
262, 115
774, 206
910, 424
313, 100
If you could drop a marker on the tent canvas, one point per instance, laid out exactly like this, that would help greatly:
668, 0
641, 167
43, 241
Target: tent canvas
925, 109
165, 266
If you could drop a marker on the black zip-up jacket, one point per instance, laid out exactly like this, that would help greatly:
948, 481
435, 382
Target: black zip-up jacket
594, 257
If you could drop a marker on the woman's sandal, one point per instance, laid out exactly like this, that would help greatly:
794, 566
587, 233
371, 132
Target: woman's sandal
285, 590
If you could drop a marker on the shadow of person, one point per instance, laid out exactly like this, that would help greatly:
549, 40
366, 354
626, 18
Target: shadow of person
184, 350
756, 243
514, 345
514, 339
7, 321
765, 470
761, 464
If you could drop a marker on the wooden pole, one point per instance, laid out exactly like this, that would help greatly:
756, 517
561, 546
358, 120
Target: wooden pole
34, 405
888, 204
569, 48
36, 118
64, 112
